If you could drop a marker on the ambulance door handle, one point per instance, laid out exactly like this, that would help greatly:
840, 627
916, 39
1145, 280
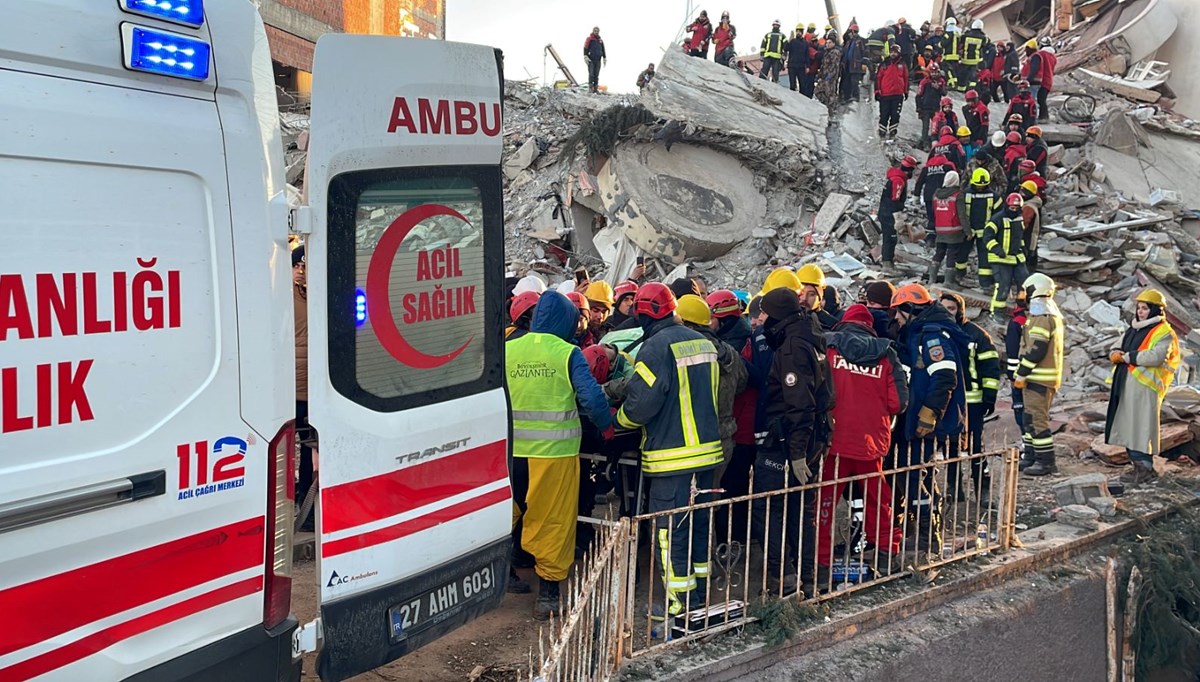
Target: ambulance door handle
53, 506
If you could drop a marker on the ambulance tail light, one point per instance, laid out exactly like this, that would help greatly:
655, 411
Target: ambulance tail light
281, 498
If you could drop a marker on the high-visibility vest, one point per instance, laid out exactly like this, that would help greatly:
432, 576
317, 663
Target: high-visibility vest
945, 215
1048, 328
985, 202
1158, 379
975, 383
545, 416
772, 45
972, 50
1009, 238
952, 43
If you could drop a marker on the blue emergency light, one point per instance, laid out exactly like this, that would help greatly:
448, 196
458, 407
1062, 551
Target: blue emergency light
167, 54
188, 12
360, 307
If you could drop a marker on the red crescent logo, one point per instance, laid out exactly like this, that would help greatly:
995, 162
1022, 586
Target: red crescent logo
378, 274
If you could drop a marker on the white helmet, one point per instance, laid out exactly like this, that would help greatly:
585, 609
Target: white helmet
529, 283
977, 25
1037, 285
565, 288
951, 22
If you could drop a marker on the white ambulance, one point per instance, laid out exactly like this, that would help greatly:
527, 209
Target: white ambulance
147, 387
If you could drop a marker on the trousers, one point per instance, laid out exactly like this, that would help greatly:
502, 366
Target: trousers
680, 539
980, 474
551, 505
784, 525
878, 525
887, 224
1006, 275
1037, 436
731, 524
889, 110
771, 66
594, 74
986, 282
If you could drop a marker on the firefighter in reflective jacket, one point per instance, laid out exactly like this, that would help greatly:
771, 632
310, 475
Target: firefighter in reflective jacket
1004, 238
931, 345
952, 55
672, 398
983, 381
1039, 373
771, 52
973, 42
979, 203
547, 374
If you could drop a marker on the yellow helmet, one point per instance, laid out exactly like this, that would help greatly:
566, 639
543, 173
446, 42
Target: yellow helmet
980, 177
600, 292
1032, 44
1028, 186
811, 274
691, 308
781, 278
963, 131
1152, 296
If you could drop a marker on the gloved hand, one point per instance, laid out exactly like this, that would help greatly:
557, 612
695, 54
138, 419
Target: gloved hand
1116, 357
1019, 382
609, 433
989, 409
926, 421
801, 471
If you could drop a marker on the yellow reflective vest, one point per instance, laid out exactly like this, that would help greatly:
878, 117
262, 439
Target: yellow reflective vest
545, 418
1047, 327
1156, 378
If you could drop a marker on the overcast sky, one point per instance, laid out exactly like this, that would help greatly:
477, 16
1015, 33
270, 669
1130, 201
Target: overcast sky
635, 32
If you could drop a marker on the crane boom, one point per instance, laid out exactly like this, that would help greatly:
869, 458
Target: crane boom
562, 66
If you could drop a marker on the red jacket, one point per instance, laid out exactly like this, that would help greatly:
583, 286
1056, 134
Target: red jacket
700, 32
723, 37
866, 368
1012, 156
893, 79
1049, 62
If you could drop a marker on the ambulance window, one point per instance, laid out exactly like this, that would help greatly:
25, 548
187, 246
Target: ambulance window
409, 295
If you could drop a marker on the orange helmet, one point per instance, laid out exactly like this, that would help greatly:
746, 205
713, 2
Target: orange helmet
579, 300
911, 293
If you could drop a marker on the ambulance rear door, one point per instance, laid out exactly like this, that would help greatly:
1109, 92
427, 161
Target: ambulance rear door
406, 391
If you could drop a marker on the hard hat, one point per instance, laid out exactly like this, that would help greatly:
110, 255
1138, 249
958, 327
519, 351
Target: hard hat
971, 94
522, 303
911, 293
929, 48
1031, 44
1022, 85
1014, 137
977, 25
654, 300
889, 22
1034, 131
1015, 118
724, 303
963, 131
828, 27
950, 179
1027, 165
946, 102
775, 23
578, 299
600, 292
781, 278
998, 138
1014, 199
951, 22
981, 177
529, 283
597, 360
909, 161
811, 274
693, 309
626, 288
799, 27
725, 14
945, 130
812, 26
1038, 284
1044, 41
1152, 296
1030, 187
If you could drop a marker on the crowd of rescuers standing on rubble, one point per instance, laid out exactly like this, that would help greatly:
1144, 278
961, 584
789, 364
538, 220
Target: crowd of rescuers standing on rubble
702, 388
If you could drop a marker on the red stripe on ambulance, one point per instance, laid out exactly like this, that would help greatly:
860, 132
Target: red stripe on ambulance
379, 497
46, 608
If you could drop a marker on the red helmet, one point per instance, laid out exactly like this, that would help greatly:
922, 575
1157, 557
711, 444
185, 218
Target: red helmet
626, 288
947, 102
597, 359
971, 94
946, 130
1014, 137
655, 301
1027, 165
724, 303
1014, 199
579, 300
1022, 84
909, 161
522, 303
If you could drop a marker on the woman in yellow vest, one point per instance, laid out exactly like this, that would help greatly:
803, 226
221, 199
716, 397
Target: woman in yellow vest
1144, 366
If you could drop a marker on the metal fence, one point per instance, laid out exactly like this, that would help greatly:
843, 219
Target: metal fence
831, 537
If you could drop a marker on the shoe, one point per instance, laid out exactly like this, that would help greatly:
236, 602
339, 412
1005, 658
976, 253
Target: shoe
1139, 475
522, 559
516, 585
547, 601
1041, 469
887, 563
772, 588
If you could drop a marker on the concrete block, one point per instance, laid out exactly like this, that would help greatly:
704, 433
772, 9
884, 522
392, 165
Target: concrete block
1079, 516
1107, 506
1079, 489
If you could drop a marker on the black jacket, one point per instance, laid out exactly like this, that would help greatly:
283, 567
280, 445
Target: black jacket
983, 366
799, 388
796, 52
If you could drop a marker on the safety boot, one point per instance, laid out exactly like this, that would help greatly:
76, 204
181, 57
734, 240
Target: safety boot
931, 273
1138, 475
547, 601
952, 278
515, 584
882, 132
1044, 466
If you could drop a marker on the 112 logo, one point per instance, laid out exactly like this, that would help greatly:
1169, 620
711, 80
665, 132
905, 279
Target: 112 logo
220, 468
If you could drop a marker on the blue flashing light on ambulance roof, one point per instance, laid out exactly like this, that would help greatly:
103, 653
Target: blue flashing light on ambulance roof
167, 54
360, 308
189, 12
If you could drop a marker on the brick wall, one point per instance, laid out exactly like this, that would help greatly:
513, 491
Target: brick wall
326, 11
289, 49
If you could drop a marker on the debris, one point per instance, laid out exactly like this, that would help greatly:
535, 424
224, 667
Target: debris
1107, 506
1141, 91
515, 163
1105, 314
1079, 489
1079, 516
831, 212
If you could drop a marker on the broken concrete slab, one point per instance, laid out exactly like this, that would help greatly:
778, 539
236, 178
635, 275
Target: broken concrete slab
832, 210
690, 202
1064, 134
1122, 133
1103, 312
1079, 489
521, 159
1079, 516
1107, 506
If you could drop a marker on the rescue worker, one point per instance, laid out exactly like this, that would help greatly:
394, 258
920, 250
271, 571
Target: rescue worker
952, 54
853, 63
548, 383
879, 49
594, 54
1012, 352
986, 80
734, 329
931, 346
936, 40
583, 334
1144, 365
931, 178
983, 382
895, 193
799, 399
1023, 104
701, 30
930, 93
812, 294
1039, 373
828, 87
808, 78
978, 203
693, 311
672, 398
623, 295
1027, 172
965, 141
600, 306
1031, 217
646, 76
906, 42
990, 157
891, 89
948, 146
974, 42
1036, 150
868, 376
977, 117
799, 54
950, 236
1040, 63
944, 117
723, 37
520, 312
924, 63
878, 297
771, 52
1003, 237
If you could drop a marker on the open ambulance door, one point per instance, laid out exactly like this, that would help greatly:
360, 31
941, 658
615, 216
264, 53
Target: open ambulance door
405, 298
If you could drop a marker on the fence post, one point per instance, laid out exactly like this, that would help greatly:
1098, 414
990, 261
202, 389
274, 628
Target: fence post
1008, 501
